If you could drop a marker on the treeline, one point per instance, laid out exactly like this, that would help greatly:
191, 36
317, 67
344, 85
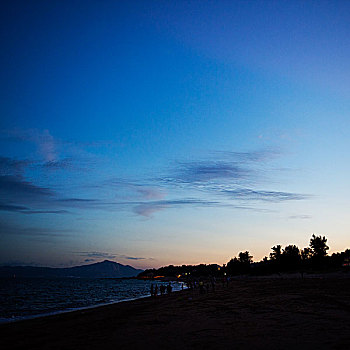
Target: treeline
288, 259
184, 271
291, 259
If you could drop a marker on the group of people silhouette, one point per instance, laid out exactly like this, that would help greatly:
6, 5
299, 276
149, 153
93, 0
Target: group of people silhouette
162, 289
203, 285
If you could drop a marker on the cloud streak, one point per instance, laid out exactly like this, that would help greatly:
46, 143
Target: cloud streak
58, 164
303, 217
15, 229
220, 166
148, 208
44, 141
225, 179
256, 195
133, 258
10, 166
46, 211
10, 207
95, 254
204, 172
16, 187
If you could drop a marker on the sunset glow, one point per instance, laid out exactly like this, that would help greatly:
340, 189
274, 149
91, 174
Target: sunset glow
156, 132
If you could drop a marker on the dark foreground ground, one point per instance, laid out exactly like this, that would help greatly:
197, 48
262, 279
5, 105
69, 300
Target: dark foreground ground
249, 314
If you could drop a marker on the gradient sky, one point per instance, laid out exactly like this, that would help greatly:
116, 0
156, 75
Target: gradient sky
172, 132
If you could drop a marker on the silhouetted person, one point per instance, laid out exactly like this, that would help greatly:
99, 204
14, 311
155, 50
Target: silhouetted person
212, 281
162, 289
152, 290
201, 287
156, 290
169, 288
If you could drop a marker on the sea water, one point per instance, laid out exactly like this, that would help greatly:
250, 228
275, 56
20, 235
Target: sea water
22, 298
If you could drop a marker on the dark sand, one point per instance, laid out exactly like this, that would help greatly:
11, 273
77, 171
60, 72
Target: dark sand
250, 314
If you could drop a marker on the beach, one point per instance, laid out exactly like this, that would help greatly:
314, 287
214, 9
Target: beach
259, 313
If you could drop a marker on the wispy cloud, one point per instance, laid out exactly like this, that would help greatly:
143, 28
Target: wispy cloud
10, 166
44, 141
133, 257
230, 177
246, 157
61, 211
222, 179
21, 195
16, 229
10, 207
257, 195
77, 200
26, 210
16, 187
95, 254
47, 146
303, 217
220, 166
58, 164
130, 190
148, 208
52, 153
225, 179
206, 171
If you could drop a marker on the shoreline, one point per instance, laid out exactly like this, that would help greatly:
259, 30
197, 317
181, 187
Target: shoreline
260, 314
32, 317
4, 321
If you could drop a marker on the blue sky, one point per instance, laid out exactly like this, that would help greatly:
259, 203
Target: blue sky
161, 132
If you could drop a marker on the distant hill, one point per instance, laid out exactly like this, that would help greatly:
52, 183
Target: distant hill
104, 269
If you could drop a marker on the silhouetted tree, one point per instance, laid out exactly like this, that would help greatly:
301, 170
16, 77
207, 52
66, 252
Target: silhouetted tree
233, 267
306, 254
245, 258
319, 250
276, 253
239, 265
341, 259
275, 258
291, 257
319, 246
346, 259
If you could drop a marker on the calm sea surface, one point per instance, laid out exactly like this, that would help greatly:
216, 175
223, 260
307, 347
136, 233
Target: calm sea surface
30, 297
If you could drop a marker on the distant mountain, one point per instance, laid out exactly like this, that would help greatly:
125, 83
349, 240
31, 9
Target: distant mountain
104, 269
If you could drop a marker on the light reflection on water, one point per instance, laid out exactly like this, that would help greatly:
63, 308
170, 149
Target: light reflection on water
28, 297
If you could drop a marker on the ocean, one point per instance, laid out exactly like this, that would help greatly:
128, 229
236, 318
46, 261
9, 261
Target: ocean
22, 298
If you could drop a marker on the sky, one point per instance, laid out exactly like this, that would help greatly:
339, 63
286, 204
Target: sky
172, 132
